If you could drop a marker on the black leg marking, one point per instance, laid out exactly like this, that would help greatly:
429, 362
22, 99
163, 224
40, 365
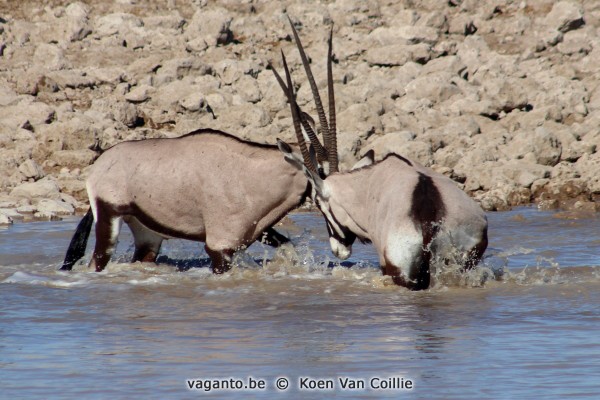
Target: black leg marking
107, 231
221, 260
273, 238
144, 254
420, 281
476, 253
147, 243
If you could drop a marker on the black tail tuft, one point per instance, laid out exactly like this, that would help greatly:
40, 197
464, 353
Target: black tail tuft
78, 242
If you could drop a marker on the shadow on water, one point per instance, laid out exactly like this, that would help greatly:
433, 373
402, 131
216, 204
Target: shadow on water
186, 264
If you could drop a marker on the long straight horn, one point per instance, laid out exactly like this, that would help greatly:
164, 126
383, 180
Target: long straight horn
313, 87
289, 92
308, 123
331, 143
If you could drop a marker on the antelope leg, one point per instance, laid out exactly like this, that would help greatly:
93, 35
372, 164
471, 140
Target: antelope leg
107, 231
221, 259
147, 243
273, 238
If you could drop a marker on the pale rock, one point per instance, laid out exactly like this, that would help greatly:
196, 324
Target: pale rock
172, 21
178, 69
452, 65
564, 170
5, 219
12, 213
248, 89
385, 36
46, 216
74, 158
139, 94
108, 75
462, 24
355, 124
418, 34
228, 71
193, 102
166, 98
587, 166
207, 84
575, 42
8, 95
196, 45
217, 102
54, 207
398, 54
77, 26
251, 115
523, 174
72, 79
31, 169
44, 188
126, 113
565, 16
212, 26
116, 23
25, 209
493, 200
72, 201
74, 187
437, 87
543, 144
51, 57
27, 115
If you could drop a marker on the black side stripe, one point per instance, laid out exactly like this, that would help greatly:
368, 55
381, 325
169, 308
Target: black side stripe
427, 208
427, 211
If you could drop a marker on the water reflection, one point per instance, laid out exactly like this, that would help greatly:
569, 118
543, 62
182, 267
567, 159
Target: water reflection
142, 329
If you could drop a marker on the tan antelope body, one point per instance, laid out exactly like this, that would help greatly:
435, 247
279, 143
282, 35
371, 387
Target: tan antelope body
410, 213
206, 186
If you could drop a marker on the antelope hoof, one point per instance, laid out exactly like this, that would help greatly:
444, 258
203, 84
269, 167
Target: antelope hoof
220, 260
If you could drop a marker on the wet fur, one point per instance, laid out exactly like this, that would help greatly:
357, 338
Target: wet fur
182, 188
427, 212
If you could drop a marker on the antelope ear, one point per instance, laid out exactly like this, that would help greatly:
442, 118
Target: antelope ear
289, 155
317, 183
365, 161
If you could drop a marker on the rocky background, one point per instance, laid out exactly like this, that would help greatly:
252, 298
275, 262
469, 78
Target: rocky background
503, 96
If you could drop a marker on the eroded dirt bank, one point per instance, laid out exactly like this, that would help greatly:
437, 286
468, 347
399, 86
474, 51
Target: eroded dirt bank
502, 96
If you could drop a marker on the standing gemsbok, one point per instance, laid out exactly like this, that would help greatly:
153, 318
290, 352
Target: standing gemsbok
410, 213
205, 186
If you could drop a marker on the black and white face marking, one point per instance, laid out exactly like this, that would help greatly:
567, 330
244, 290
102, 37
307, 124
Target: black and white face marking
340, 237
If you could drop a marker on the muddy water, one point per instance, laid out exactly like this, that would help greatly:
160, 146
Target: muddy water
525, 324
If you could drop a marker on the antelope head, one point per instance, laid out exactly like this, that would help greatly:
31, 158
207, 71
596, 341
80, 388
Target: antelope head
317, 160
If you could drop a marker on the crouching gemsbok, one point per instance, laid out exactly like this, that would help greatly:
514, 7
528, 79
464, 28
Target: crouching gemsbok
205, 186
410, 213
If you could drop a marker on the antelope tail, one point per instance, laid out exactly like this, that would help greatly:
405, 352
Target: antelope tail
79, 241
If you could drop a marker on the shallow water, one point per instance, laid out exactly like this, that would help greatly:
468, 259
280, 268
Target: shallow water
522, 325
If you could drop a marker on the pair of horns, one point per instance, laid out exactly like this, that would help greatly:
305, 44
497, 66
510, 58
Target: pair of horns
327, 151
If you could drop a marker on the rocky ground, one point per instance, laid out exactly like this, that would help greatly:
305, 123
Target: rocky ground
503, 96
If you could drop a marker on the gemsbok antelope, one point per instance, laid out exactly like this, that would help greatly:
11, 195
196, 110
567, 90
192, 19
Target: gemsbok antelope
410, 213
206, 186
